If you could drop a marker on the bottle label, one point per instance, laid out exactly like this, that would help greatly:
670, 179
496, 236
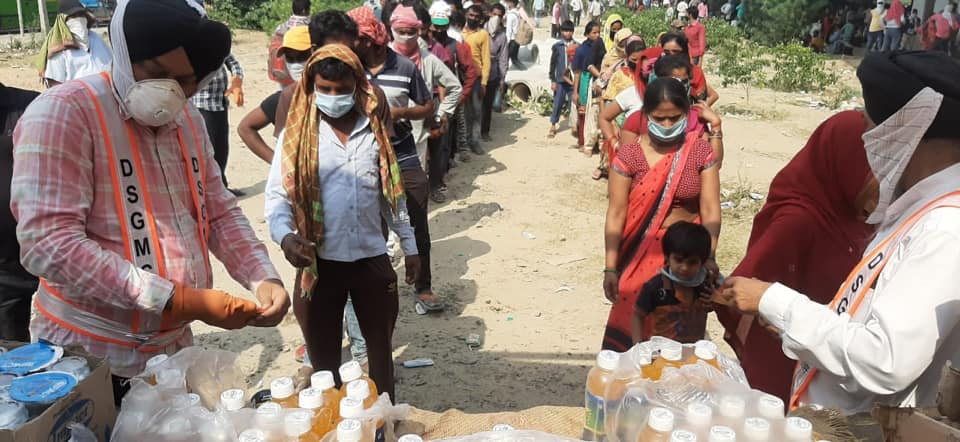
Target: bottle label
380, 436
595, 414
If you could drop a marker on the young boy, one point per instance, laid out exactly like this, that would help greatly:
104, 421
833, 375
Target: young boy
670, 304
561, 83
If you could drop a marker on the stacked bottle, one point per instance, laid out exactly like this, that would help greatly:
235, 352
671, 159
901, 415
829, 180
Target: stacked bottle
598, 379
659, 426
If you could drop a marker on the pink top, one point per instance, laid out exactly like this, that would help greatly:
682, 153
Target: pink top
62, 195
697, 35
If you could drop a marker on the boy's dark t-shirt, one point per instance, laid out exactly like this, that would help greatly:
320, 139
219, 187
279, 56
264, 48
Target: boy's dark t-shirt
670, 314
269, 106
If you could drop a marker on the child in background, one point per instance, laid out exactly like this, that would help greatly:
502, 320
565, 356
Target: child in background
817, 43
674, 303
561, 81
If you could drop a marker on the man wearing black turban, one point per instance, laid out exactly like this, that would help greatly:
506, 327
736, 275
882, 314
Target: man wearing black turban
893, 324
119, 199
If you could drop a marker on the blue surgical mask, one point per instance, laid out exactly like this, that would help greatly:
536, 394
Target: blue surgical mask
334, 106
696, 281
665, 135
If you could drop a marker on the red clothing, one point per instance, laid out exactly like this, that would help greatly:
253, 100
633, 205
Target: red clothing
697, 36
807, 237
637, 123
895, 14
641, 254
276, 65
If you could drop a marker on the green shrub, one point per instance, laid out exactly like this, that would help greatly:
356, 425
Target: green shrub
773, 22
798, 68
647, 23
265, 16
740, 62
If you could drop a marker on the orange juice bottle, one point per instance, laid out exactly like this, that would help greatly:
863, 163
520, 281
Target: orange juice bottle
321, 414
598, 379
644, 358
360, 390
323, 381
670, 356
281, 392
352, 430
351, 371
705, 351
659, 426
152, 367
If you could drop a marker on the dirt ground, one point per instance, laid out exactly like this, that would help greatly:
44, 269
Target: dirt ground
517, 251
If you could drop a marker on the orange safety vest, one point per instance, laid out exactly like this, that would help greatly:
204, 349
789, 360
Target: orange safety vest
146, 333
861, 280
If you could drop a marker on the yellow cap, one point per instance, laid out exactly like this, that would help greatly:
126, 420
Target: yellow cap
297, 39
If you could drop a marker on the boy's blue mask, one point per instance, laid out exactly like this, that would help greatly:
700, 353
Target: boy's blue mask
696, 281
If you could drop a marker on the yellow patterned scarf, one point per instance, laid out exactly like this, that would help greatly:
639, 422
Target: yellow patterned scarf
299, 165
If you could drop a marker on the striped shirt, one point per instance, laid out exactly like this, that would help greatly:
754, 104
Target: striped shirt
403, 84
64, 199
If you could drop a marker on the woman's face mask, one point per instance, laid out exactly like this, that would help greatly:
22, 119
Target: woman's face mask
667, 135
155, 102
334, 106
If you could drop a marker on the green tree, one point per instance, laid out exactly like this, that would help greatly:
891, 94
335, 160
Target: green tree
773, 22
740, 62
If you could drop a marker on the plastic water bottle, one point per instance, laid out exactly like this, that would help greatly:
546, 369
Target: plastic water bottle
598, 379
671, 355
755, 429
253, 435
705, 351
269, 419
297, 424
732, 411
659, 426
352, 371
720, 433
351, 430
232, 402
798, 429
324, 381
321, 415
281, 392
683, 436
699, 418
770, 408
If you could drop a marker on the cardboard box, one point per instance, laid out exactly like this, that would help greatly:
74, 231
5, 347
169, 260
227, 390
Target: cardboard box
913, 424
90, 404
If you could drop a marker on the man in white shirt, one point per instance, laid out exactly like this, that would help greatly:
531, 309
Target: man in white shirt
576, 7
81, 53
595, 10
682, 7
893, 323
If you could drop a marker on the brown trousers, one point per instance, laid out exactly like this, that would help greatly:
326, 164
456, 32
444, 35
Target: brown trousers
372, 285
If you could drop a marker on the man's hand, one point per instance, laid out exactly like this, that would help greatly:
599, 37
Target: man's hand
274, 303
743, 294
412, 264
298, 251
611, 286
235, 91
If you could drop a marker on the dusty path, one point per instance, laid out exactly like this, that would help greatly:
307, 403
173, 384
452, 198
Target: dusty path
517, 250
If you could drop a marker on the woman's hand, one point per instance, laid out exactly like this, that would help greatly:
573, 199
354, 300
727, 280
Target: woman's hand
708, 115
611, 286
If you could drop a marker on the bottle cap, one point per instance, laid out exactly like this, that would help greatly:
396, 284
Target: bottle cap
269, 410
156, 360
770, 406
12, 415
74, 365
798, 428
608, 360
322, 380
720, 433
733, 406
350, 430
350, 371
297, 422
755, 428
707, 344
253, 435
232, 399
705, 353
699, 415
672, 351
683, 436
311, 398
184, 401
661, 420
29, 358
281, 388
351, 408
358, 389
410, 438
42, 388
643, 356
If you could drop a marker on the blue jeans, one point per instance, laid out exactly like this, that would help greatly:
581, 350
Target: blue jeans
474, 113
563, 94
891, 39
874, 41
358, 345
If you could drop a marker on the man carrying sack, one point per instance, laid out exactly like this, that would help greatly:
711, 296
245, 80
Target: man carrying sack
118, 199
893, 323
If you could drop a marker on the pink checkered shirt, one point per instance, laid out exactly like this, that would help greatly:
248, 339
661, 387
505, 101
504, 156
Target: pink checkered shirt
63, 197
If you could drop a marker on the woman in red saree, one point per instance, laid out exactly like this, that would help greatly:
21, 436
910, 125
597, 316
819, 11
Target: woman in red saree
808, 235
665, 176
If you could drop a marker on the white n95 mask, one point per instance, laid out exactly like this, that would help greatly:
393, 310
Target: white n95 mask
78, 27
155, 102
891, 144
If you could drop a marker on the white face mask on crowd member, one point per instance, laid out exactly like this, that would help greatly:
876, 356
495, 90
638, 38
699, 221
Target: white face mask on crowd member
78, 27
334, 106
155, 102
891, 144
493, 24
295, 70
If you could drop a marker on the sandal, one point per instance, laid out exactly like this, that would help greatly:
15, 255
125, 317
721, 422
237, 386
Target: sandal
424, 306
599, 173
553, 132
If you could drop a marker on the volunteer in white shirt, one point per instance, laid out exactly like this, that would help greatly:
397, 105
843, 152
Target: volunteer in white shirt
893, 324
81, 53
